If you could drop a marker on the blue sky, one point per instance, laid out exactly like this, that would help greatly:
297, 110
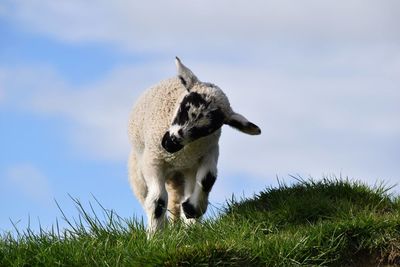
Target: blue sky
321, 79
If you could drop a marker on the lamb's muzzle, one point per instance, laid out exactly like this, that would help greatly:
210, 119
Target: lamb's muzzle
171, 143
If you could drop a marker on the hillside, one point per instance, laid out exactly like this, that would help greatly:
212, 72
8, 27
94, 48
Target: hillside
329, 222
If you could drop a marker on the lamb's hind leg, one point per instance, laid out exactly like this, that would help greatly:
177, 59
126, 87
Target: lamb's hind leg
196, 205
175, 189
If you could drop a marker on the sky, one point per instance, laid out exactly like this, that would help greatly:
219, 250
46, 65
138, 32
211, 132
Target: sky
320, 78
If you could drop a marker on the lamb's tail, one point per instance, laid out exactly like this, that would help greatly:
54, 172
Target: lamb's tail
136, 180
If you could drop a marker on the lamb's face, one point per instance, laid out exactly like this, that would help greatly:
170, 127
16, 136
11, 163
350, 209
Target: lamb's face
197, 116
200, 113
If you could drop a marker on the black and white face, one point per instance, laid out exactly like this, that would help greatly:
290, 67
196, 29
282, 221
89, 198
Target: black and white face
196, 117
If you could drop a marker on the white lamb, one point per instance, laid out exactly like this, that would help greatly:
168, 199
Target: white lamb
174, 130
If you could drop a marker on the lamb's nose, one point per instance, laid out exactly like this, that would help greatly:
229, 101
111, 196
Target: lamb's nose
171, 143
174, 139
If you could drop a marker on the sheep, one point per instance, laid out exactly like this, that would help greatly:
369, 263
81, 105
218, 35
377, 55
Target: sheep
174, 130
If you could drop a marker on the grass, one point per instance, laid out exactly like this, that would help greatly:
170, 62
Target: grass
313, 223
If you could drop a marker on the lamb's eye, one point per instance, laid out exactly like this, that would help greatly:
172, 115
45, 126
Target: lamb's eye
193, 115
200, 115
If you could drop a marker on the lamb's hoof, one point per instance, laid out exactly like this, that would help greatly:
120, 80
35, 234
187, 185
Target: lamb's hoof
190, 211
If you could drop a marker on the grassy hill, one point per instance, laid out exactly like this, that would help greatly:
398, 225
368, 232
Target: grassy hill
329, 222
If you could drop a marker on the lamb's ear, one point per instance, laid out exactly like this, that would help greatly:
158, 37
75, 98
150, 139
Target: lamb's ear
239, 122
186, 76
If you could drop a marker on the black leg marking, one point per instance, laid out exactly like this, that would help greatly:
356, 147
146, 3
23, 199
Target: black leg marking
208, 182
189, 210
160, 206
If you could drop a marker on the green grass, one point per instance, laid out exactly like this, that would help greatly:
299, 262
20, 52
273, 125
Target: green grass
330, 222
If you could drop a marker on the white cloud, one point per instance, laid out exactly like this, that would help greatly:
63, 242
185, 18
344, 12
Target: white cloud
210, 25
335, 114
97, 113
29, 180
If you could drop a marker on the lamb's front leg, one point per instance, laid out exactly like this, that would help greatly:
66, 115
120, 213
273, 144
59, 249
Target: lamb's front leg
156, 200
196, 205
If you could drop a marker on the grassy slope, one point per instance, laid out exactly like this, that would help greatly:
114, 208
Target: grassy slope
311, 223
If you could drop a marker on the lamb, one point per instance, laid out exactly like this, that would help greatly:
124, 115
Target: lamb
174, 130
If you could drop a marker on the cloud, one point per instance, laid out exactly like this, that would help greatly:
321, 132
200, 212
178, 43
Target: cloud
29, 180
209, 25
96, 114
333, 114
